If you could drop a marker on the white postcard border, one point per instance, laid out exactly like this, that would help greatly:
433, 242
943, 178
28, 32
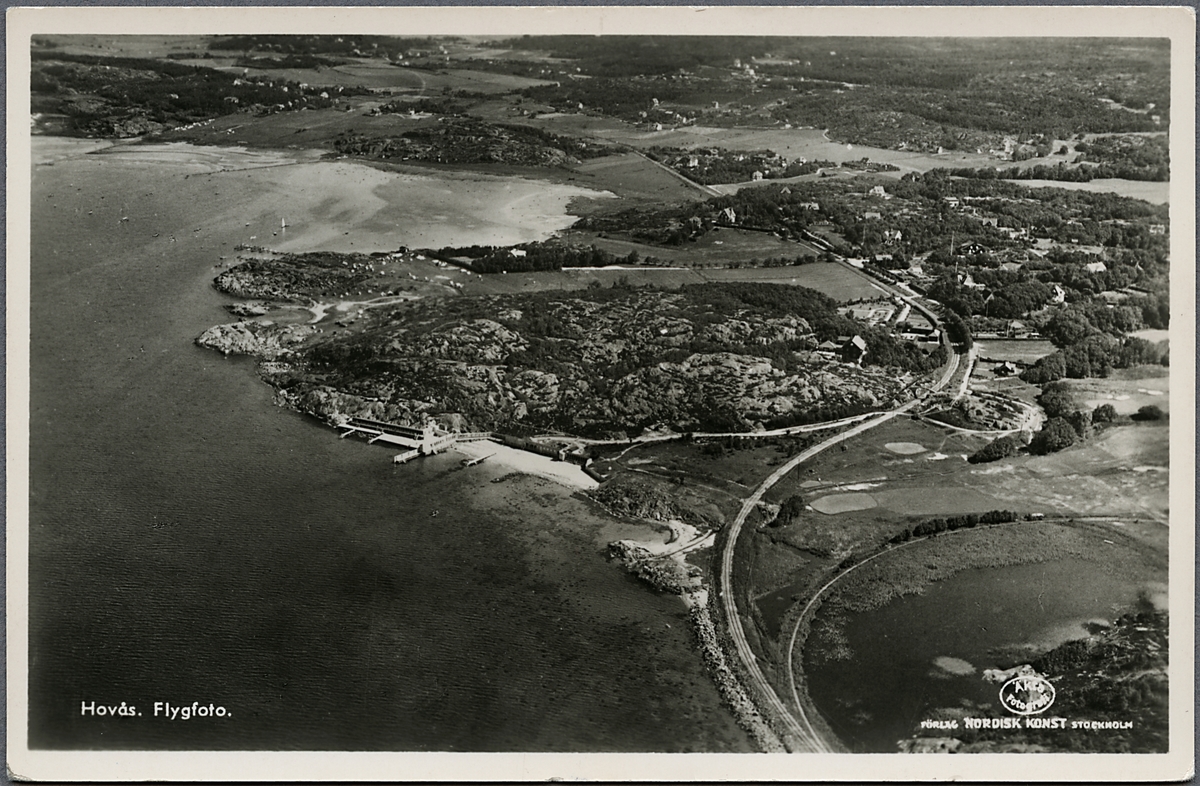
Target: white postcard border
1176, 22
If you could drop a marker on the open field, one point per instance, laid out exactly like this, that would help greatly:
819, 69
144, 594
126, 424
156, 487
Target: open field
814, 145
712, 250
128, 45
830, 278
1152, 335
634, 178
378, 75
373, 73
827, 277
1121, 471
1007, 349
844, 503
795, 143
310, 129
1155, 193
1125, 395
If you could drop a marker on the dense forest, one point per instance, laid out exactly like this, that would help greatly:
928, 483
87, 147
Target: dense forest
123, 96
465, 140
1128, 157
913, 93
343, 45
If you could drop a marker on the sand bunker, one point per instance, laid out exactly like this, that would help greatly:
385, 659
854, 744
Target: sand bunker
955, 666
905, 448
844, 503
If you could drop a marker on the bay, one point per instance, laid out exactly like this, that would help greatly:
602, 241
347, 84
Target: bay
192, 542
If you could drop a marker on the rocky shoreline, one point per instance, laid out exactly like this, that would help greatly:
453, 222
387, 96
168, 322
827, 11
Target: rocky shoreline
726, 679
601, 363
262, 340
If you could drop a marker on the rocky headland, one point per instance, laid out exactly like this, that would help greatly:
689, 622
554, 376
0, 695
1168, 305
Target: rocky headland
610, 363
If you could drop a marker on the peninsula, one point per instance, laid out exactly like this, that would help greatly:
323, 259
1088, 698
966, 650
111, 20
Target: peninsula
817, 317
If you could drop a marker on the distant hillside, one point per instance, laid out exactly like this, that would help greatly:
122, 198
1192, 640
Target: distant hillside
123, 96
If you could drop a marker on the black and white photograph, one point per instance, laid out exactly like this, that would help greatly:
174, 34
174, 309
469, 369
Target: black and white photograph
565, 385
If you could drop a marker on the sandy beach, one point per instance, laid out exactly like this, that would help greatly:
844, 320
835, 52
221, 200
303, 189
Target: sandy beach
515, 460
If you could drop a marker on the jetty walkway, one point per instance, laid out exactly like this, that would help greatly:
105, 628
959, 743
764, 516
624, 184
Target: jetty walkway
425, 441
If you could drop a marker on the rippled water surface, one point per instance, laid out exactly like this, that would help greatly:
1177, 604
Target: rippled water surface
191, 542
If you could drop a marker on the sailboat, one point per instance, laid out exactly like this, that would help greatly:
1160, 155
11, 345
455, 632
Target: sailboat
283, 223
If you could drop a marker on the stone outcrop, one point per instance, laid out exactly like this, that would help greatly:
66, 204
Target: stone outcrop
664, 573
257, 339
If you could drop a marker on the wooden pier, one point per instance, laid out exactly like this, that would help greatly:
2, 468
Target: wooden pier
425, 441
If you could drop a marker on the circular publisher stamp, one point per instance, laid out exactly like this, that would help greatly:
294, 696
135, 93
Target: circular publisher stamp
1027, 694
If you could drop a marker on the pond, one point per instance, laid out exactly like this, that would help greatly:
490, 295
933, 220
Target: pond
921, 652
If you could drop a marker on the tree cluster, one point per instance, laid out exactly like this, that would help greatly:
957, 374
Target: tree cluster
1149, 412
997, 449
1072, 172
1095, 355
1135, 157
466, 140
546, 256
958, 331
949, 524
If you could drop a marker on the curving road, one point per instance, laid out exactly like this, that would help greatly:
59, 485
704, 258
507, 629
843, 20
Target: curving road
801, 735
791, 673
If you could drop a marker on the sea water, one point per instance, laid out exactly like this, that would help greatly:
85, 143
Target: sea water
978, 619
193, 543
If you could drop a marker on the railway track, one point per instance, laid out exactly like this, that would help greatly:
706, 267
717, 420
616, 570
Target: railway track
801, 735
